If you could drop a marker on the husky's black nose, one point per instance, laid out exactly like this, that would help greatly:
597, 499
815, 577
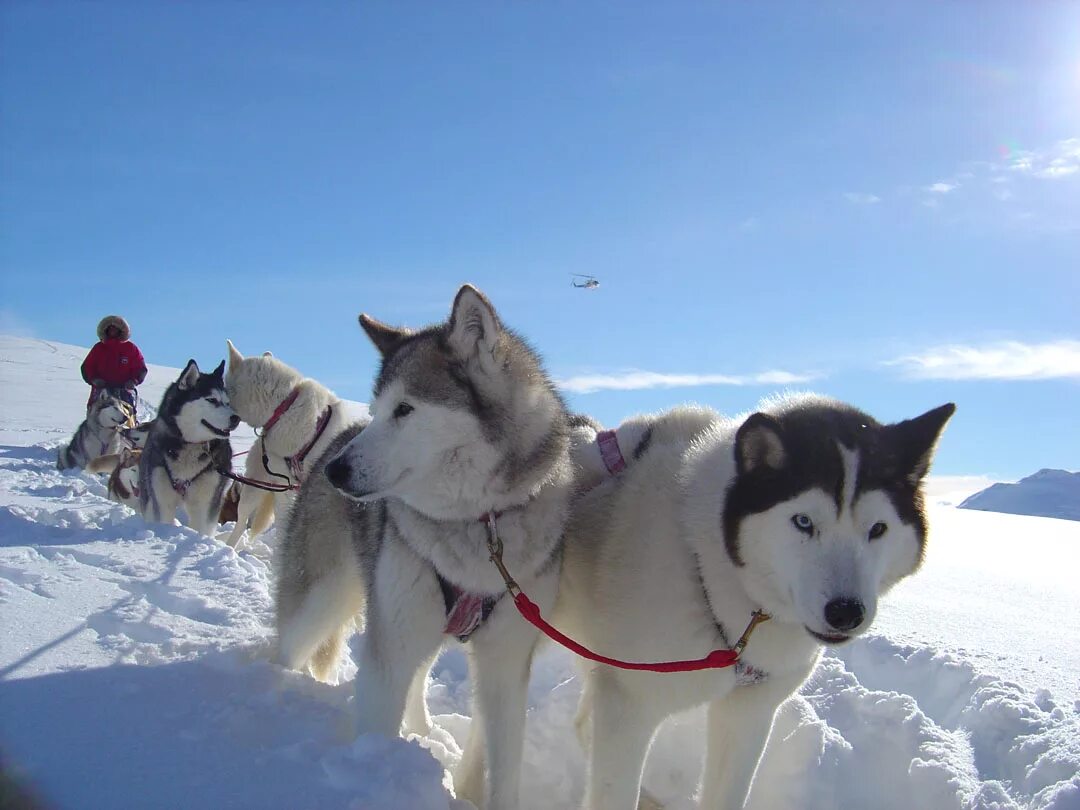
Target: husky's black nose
338, 472
844, 614
234, 420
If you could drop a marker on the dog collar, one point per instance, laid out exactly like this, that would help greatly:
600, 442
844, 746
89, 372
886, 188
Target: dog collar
608, 443
280, 410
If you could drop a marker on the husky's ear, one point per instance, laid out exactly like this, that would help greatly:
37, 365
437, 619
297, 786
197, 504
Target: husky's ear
474, 327
235, 358
915, 440
386, 338
219, 372
759, 444
189, 376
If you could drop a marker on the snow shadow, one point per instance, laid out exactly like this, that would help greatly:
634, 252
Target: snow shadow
205, 733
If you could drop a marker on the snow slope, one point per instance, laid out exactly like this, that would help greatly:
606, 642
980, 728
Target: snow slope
134, 667
1047, 493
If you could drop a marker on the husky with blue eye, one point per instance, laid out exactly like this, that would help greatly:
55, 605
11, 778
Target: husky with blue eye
808, 510
188, 449
468, 435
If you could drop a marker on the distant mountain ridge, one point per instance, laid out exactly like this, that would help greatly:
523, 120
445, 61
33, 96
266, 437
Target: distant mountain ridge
1047, 493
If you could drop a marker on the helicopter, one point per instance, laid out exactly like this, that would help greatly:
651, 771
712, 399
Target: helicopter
586, 282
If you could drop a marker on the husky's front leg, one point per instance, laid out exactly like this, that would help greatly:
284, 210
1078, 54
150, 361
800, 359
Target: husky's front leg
738, 728
202, 503
159, 498
403, 632
621, 732
499, 666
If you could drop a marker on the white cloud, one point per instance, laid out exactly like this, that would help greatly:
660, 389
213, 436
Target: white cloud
1057, 169
1060, 160
1010, 360
634, 380
861, 198
941, 188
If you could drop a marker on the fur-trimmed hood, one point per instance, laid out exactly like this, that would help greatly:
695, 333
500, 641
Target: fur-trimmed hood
118, 322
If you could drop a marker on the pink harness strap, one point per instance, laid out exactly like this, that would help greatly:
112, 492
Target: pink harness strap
608, 443
466, 615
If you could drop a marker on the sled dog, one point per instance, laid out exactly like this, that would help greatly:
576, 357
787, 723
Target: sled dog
298, 418
123, 470
466, 428
808, 510
98, 435
186, 450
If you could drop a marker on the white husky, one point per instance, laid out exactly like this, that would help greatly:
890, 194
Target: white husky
466, 428
298, 417
808, 510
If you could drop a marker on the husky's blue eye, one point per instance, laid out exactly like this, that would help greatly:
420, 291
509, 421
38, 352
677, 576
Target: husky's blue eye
877, 530
803, 523
403, 409
213, 401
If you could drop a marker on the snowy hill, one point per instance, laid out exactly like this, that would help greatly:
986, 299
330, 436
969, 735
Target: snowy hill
1047, 493
135, 672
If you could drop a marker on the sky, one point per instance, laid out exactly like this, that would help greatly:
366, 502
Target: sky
879, 203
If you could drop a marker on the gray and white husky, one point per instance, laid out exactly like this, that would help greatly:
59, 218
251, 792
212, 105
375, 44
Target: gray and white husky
299, 417
808, 510
465, 424
187, 449
99, 433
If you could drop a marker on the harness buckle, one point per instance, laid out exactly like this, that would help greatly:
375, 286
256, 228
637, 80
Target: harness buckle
495, 549
756, 618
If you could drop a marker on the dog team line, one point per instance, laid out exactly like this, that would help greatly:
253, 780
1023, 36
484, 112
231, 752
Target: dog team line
472, 498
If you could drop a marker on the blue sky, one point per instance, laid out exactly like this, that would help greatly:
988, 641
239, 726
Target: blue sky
880, 202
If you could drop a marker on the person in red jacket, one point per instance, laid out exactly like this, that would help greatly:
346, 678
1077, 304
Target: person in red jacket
114, 361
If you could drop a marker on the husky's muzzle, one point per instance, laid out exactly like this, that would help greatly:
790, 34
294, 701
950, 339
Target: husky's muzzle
234, 420
340, 474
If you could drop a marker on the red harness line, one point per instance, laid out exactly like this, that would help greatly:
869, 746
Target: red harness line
717, 659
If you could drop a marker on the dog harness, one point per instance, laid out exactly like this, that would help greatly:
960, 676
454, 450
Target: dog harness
608, 443
717, 659
465, 611
182, 485
294, 463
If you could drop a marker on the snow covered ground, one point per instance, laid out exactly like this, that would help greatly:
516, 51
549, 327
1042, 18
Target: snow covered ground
134, 666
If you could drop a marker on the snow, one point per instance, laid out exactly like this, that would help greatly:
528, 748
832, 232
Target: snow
135, 671
1047, 493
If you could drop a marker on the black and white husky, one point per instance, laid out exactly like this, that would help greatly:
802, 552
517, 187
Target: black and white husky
808, 510
99, 434
187, 449
465, 426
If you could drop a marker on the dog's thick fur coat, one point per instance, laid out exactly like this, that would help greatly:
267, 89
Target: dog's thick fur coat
98, 434
464, 423
257, 386
187, 450
808, 510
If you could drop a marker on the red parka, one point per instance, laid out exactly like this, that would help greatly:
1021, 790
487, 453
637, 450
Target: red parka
116, 361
